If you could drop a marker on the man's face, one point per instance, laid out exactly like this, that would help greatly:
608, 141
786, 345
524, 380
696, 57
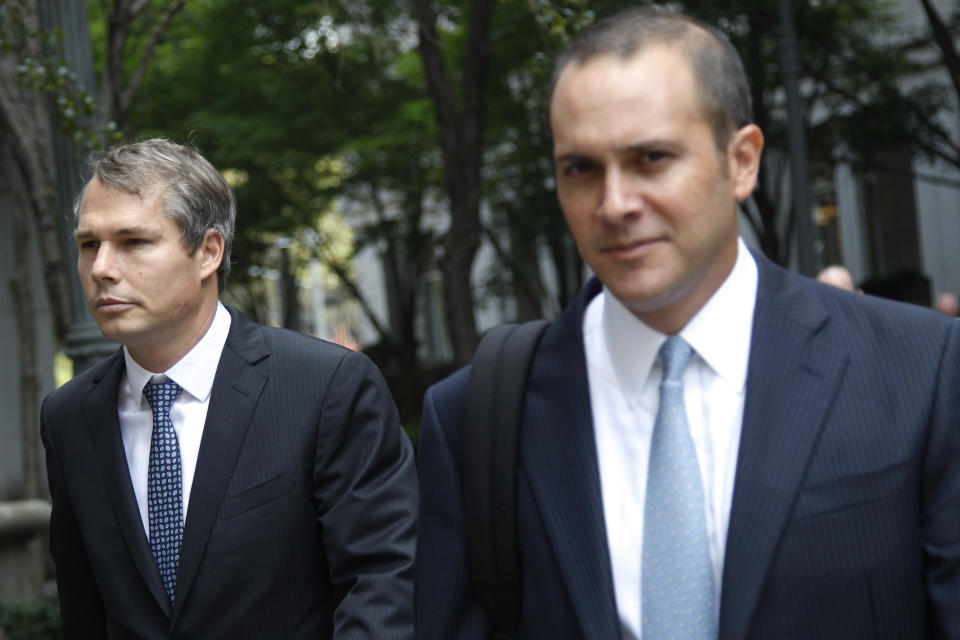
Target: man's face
649, 198
144, 288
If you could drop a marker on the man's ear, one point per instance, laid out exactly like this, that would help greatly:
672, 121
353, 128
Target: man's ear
743, 157
211, 253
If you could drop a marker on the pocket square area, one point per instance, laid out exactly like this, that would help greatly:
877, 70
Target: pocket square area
260, 493
838, 493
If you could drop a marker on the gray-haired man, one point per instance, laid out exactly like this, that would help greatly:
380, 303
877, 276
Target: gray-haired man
215, 478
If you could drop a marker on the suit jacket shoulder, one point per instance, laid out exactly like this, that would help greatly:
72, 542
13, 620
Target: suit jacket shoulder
70, 396
302, 511
849, 435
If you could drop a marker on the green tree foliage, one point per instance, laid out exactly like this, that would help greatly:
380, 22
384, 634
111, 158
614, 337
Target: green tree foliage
34, 621
301, 107
310, 104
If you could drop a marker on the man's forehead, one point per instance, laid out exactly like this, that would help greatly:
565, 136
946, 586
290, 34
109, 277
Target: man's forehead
147, 192
607, 85
579, 78
103, 203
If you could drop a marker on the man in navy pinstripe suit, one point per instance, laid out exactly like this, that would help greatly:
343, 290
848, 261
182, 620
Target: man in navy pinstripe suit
825, 425
292, 502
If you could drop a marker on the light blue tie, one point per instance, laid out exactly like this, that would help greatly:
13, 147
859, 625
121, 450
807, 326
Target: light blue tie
165, 484
677, 575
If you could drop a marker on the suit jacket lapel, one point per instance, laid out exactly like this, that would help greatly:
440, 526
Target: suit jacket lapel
104, 426
233, 399
792, 381
558, 447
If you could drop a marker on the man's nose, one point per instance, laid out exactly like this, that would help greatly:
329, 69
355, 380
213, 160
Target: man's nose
621, 198
104, 265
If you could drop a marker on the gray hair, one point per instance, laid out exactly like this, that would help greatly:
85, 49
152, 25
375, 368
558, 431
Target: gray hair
718, 70
192, 193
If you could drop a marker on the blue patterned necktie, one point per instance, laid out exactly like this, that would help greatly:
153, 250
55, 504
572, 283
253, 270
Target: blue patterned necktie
165, 484
677, 575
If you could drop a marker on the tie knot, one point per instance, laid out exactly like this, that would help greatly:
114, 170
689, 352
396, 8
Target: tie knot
675, 355
161, 395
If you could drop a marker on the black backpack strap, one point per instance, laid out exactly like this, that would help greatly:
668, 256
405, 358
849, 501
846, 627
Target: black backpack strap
490, 439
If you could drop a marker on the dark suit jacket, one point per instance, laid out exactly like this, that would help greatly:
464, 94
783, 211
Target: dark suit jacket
845, 522
301, 521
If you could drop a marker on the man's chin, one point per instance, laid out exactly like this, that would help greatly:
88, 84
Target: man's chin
643, 294
117, 329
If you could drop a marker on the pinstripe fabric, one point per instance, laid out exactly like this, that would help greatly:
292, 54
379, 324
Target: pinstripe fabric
567, 583
559, 452
845, 521
825, 539
302, 514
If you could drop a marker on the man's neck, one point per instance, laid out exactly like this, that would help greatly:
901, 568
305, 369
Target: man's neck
161, 357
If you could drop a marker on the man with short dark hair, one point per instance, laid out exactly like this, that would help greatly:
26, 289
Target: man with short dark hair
215, 478
711, 446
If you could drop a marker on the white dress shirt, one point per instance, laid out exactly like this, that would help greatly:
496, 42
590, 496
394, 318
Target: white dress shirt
624, 377
194, 372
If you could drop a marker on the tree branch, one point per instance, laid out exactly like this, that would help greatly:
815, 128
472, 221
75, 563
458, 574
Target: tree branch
945, 41
32, 151
138, 7
474, 82
438, 83
25, 315
354, 290
126, 97
951, 155
519, 278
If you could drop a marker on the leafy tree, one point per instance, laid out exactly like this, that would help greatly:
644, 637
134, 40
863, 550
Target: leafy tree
942, 33
461, 125
307, 105
131, 32
408, 113
37, 89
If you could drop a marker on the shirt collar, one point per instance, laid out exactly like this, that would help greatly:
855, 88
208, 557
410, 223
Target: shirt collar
195, 371
719, 333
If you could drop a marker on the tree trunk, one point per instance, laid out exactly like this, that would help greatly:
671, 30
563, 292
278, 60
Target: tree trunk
289, 293
25, 320
567, 264
460, 246
27, 133
522, 260
765, 223
404, 260
461, 141
26, 163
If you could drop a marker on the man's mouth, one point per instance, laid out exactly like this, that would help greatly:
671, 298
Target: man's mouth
631, 249
112, 305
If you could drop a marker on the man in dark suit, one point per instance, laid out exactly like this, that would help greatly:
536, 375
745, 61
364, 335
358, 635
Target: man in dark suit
711, 446
215, 478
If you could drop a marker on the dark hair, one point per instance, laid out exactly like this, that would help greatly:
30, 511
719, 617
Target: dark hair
193, 194
718, 70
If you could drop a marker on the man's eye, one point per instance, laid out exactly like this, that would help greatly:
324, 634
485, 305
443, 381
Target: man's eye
579, 168
654, 156
89, 244
135, 241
